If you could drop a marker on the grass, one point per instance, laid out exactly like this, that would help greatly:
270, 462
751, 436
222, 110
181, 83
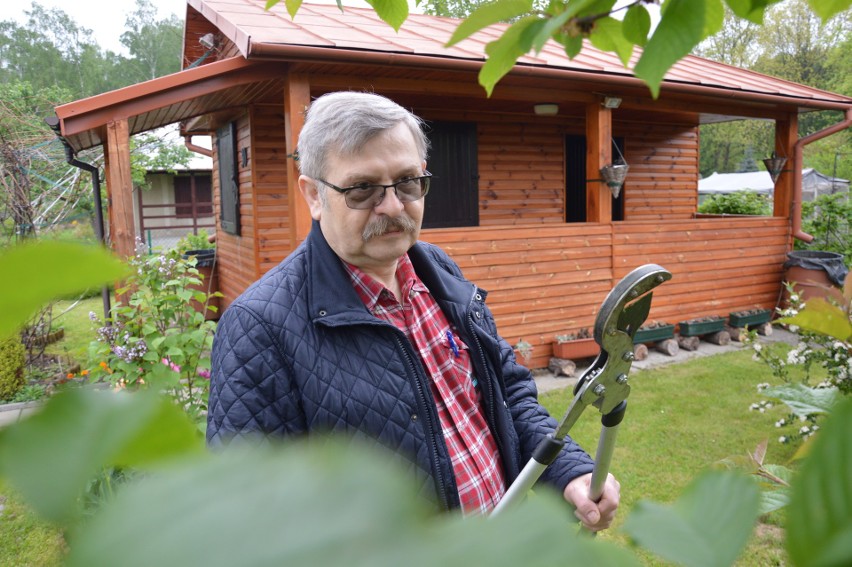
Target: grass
25, 540
74, 318
680, 420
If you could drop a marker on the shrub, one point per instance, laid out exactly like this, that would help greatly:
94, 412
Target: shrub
157, 338
739, 203
828, 219
195, 242
12, 360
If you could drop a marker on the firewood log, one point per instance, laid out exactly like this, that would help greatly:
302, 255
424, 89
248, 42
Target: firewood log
720, 338
562, 367
640, 352
668, 347
689, 343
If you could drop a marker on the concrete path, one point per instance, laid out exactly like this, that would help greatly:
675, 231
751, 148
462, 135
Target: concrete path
546, 381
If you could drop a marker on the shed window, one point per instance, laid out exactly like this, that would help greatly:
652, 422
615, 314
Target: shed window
453, 198
192, 192
226, 149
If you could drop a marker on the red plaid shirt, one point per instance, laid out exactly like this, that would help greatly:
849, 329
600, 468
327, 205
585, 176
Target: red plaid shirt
473, 449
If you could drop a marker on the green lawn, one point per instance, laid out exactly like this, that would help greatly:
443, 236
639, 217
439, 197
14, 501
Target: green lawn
73, 316
680, 420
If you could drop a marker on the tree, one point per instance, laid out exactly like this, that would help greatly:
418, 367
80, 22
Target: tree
154, 45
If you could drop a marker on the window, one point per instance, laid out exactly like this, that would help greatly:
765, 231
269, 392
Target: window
229, 186
193, 191
453, 198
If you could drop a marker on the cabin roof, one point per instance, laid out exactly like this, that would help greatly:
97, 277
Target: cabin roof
266, 42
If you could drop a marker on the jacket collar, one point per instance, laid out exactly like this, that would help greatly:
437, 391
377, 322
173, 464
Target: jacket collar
333, 301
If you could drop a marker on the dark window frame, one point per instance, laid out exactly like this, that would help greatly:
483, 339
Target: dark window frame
229, 178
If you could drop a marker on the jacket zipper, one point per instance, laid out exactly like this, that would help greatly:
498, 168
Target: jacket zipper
492, 423
442, 492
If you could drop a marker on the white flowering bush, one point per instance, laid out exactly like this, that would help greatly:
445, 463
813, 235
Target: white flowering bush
823, 353
156, 337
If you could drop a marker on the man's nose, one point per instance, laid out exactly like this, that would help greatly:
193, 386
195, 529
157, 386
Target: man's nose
390, 205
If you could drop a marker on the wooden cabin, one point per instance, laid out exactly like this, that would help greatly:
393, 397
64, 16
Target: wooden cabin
517, 200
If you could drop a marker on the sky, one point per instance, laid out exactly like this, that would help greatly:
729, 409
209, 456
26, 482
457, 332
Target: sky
106, 17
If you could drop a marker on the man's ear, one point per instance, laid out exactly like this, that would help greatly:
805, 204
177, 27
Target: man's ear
310, 191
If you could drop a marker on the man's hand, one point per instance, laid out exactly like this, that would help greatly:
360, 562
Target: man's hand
595, 516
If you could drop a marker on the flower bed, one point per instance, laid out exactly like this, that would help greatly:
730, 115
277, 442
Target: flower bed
749, 318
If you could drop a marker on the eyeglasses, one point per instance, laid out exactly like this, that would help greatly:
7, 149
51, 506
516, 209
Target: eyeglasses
368, 196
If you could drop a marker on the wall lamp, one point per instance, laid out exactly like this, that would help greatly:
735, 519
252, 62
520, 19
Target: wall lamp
546, 109
775, 166
207, 41
611, 102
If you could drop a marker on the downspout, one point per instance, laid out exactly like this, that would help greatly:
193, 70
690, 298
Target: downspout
797, 171
53, 122
187, 141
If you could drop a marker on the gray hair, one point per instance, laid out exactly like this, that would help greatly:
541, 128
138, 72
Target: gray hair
344, 121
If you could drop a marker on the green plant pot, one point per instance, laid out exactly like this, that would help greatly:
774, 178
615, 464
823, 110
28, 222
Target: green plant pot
654, 335
701, 327
749, 319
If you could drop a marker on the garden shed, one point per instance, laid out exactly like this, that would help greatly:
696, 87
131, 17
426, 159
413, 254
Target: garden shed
518, 200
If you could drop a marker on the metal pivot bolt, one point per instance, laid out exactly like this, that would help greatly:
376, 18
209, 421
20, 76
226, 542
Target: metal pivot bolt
599, 390
621, 379
628, 356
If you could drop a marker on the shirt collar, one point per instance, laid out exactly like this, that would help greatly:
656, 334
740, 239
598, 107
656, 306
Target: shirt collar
370, 290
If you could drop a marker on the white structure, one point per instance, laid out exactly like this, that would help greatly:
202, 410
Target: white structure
814, 184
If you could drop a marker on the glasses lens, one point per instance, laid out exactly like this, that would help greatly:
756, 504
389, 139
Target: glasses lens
365, 197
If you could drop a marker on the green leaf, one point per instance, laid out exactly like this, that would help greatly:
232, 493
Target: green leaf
751, 10
39, 272
804, 400
319, 504
50, 456
683, 24
820, 316
637, 24
707, 526
505, 51
608, 36
573, 45
825, 9
488, 14
291, 5
392, 12
771, 500
819, 522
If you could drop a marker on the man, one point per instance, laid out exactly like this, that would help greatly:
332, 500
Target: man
365, 330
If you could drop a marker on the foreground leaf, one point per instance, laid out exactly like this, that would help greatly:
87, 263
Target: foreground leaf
684, 23
319, 504
488, 14
392, 12
819, 316
819, 530
36, 273
804, 400
50, 456
707, 526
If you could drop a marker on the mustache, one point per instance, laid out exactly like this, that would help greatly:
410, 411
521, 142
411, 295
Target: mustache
384, 225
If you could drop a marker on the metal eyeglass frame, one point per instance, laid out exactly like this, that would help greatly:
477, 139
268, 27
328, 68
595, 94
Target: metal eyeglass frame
370, 201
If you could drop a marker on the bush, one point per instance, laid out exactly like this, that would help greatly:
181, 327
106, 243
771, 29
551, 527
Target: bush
739, 203
12, 360
195, 242
828, 219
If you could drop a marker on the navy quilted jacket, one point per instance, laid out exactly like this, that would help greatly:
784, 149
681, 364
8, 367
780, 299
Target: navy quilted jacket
299, 352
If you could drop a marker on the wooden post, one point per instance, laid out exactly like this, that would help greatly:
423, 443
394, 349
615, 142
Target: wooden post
598, 154
297, 98
119, 182
786, 134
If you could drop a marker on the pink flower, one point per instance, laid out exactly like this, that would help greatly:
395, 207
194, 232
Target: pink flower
171, 364
204, 373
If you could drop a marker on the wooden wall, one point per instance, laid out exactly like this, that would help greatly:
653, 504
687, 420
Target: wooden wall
544, 281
